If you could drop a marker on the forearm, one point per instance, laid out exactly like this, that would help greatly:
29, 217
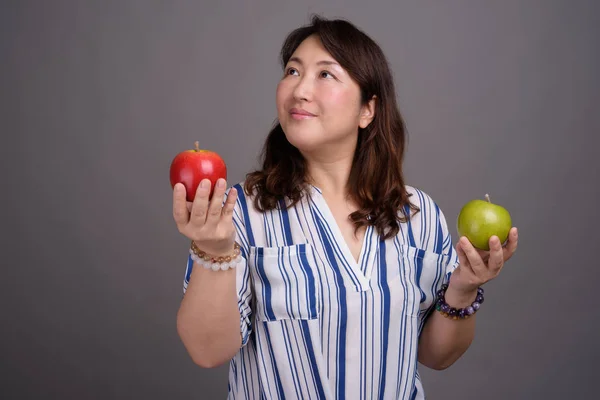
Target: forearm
208, 321
444, 340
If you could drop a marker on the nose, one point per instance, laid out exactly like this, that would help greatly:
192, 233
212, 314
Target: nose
303, 91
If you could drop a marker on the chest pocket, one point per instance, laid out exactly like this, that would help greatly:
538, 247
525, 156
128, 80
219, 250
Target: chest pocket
420, 275
284, 282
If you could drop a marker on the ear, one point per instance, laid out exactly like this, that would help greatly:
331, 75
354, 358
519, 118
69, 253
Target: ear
367, 113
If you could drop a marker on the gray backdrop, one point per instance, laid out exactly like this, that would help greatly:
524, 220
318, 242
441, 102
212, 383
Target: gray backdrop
500, 97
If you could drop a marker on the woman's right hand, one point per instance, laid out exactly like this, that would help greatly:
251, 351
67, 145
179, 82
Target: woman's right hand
208, 223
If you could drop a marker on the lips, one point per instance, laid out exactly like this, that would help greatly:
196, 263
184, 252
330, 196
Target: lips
301, 113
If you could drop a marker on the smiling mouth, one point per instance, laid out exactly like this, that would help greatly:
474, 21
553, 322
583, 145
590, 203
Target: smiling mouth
301, 114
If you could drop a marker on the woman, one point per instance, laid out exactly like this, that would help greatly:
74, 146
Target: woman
330, 267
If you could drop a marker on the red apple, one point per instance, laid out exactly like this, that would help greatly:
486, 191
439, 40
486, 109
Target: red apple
191, 166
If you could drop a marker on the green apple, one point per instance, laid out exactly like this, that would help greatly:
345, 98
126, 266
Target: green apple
479, 220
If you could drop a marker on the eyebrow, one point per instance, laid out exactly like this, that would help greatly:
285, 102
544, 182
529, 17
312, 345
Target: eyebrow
322, 62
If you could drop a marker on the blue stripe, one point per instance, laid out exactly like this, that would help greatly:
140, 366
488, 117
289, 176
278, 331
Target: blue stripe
254, 361
311, 354
310, 278
410, 333
291, 358
261, 353
300, 351
333, 246
439, 241
267, 229
385, 294
419, 265
244, 207
274, 364
411, 238
245, 374
328, 285
368, 245
233, 368
242, 238
260, 266
413, 396
343, 316
401, 365
284, 264
188, 270
363, 344
321, 285
291, 289
424, 218
287, 231
372, 330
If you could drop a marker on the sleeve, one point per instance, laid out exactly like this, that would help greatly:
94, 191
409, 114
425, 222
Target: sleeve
446, 262
243, 276
447, 249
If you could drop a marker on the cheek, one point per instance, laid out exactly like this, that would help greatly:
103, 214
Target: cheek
281, 94
343, 102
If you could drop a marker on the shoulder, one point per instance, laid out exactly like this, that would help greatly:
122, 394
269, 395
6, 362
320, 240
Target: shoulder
252, 196
245, 199
427, 227
427, 206
419, 197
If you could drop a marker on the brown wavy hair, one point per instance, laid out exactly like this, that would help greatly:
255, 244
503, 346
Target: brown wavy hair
376, 182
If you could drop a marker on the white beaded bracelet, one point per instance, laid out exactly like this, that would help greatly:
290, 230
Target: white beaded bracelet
216, 263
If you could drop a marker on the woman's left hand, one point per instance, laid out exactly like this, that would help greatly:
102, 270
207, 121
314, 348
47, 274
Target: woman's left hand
479, 266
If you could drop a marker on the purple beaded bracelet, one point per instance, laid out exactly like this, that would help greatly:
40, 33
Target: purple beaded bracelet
457, 313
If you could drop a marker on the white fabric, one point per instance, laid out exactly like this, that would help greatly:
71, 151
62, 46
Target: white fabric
318, 325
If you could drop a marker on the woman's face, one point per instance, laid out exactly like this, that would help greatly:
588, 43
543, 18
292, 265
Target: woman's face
318, 104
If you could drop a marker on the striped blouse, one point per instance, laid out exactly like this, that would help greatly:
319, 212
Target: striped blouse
315, 323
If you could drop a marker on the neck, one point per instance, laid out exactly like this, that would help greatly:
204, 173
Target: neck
330, 174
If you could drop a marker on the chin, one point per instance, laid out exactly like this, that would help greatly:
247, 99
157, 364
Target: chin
304, 146
302, 141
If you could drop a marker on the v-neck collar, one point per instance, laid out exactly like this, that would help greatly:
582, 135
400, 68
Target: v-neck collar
360, 270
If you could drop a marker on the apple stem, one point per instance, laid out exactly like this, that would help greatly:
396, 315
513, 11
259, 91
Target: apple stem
487, 197
197, 143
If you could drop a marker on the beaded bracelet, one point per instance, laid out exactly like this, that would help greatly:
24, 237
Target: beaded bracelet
216, 263
457, 313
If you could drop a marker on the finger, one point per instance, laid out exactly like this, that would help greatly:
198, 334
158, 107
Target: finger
496, 260
180, 213
484, 254
462, 258
200, 204
227, 211
511, 245
216, 203
473, 257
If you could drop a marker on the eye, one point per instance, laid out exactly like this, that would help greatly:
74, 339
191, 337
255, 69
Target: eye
291, 71
326, 75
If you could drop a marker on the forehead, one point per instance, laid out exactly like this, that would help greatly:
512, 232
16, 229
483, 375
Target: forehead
312, 50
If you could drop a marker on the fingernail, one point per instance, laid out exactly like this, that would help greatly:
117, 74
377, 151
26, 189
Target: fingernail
205, 183
221, 183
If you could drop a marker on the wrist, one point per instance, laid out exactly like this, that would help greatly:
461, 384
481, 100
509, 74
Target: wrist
215, 261
460, 298
222, 251
458, 310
